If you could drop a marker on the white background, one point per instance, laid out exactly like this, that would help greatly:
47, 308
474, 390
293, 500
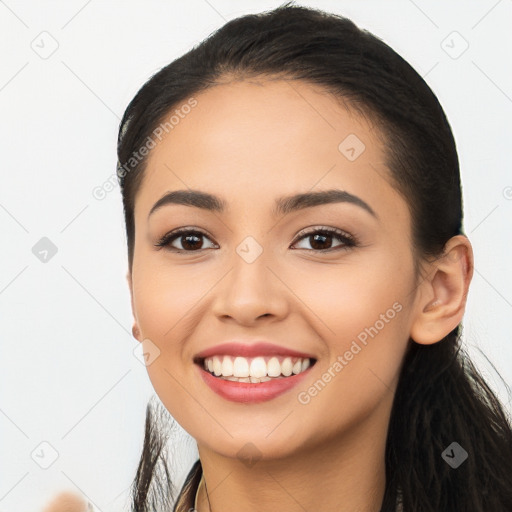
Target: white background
68, 372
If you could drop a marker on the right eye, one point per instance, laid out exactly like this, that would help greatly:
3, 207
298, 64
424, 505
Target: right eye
189, 239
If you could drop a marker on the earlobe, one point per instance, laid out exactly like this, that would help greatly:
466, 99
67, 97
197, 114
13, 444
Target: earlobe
129, 280
441, 297
135, 328
136, 332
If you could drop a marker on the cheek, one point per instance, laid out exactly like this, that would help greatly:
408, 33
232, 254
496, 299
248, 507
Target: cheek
363, 313
351, 298
165, 298
360, 373
163, 303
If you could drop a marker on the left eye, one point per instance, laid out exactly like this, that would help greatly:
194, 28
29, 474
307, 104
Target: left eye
190, 240
320, 237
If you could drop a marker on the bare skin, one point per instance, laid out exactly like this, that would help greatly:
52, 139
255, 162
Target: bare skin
250, 143
66, 502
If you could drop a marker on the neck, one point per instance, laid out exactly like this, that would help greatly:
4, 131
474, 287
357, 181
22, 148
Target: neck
343, 474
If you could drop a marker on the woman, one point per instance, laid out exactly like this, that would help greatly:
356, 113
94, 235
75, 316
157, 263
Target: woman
298, 273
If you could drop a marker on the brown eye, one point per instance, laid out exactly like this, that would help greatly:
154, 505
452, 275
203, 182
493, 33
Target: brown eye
190, 240
322, 239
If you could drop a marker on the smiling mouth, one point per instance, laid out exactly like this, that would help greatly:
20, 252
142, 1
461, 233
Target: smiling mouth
254, 369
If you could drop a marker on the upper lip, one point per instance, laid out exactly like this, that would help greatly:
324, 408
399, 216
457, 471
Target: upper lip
258, 348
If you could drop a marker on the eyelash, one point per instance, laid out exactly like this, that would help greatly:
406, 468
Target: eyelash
348, 240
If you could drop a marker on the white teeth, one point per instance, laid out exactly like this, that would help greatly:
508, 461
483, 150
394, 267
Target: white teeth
255, 370
258, 367
287, 367
240, 367
217, 366
273, 367
227, 367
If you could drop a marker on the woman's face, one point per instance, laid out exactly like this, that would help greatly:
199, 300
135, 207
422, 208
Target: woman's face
262, 270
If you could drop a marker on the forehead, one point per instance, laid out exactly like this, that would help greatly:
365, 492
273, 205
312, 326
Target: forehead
249, 139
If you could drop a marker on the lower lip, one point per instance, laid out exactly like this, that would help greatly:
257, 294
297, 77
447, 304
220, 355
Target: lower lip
247, 392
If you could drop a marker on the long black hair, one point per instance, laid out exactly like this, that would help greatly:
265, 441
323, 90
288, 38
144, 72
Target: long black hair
441, 398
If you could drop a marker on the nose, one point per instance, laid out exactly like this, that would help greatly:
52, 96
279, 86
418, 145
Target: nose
250, 292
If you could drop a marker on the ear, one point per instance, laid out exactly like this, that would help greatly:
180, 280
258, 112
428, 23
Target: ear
441, 297
135, 328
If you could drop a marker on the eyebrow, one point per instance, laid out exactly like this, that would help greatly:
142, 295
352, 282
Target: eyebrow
283, 205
